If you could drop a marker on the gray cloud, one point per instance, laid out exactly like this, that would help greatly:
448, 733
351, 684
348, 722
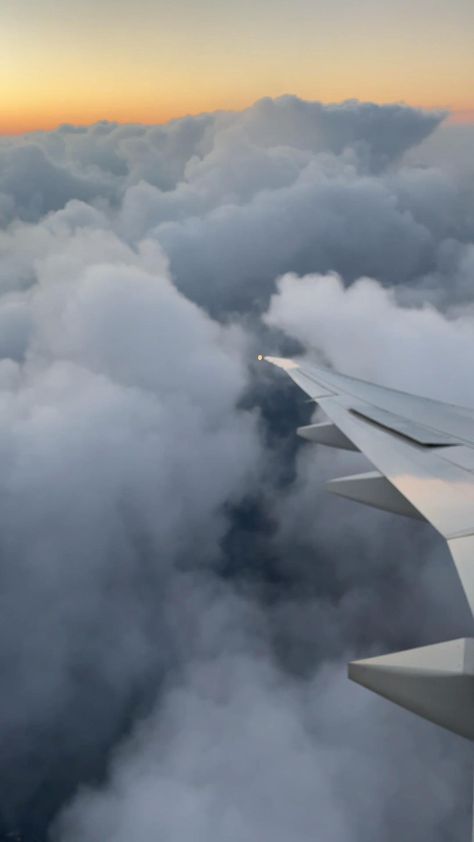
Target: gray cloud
365, 331
179, 594
119, 427
31, 184
236, 753
238, 198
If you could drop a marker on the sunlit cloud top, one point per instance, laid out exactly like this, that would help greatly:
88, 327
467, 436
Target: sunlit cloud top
152, 60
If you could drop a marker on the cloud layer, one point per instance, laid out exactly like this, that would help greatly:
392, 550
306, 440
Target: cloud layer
179, 594
239, 198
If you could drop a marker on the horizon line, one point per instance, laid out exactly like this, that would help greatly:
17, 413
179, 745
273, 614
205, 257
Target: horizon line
463, 116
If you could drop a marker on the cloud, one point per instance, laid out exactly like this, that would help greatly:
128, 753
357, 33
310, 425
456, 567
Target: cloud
377, 134
306, 757
31, 184
364, 331
120, 444
237, 754
238, 198
179, 595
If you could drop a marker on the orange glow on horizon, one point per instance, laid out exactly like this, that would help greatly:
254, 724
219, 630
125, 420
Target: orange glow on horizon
65, 61
464, 117
42, 121
46, 125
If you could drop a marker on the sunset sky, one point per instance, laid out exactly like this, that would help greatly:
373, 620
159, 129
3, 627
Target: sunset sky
150, 60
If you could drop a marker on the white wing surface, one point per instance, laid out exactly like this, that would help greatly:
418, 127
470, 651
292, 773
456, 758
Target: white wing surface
423, 451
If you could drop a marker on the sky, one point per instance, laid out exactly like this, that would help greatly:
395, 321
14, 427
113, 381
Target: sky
153, 60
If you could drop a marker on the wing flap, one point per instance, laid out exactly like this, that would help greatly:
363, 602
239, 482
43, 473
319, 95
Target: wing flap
418, 433
435, 682
373, 489
327, 434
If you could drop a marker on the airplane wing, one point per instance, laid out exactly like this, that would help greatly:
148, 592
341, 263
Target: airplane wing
423, 451
423, 454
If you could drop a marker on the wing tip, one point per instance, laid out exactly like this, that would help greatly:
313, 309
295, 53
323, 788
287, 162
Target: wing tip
285, 363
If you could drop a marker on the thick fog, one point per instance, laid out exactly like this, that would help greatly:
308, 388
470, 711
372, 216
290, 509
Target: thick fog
180, 596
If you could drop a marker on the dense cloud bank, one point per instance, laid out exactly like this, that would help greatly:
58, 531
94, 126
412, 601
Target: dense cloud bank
238, 198
179, 594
